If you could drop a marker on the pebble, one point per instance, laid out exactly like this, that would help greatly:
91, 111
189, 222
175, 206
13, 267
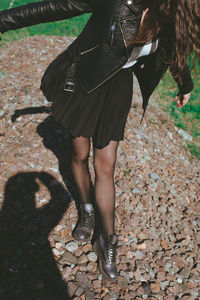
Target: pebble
92, 257
122, 281
71, 288
185, 135
56, 252
2, 113
71, 246
113, 295
83, 280
82, 259
154, 176
138, 254
155, 287
69, 258
79, 291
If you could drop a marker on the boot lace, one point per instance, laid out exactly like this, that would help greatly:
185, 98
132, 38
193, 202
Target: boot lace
86, 217
111, 253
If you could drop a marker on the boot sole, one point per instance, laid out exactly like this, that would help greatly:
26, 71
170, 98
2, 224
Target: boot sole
100, 267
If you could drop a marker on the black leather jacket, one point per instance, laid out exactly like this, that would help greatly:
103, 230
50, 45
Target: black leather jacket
104, 45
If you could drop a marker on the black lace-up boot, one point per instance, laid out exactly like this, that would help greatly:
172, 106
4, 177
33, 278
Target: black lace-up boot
84, 228
106, 252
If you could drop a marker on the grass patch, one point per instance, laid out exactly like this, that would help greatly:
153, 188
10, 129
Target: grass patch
187, 118
194, 149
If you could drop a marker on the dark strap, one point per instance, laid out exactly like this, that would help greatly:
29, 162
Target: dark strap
70, 82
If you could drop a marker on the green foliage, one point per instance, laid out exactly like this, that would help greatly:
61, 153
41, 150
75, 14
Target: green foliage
187, 118
194, 149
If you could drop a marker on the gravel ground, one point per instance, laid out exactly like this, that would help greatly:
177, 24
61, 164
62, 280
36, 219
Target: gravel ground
157, 197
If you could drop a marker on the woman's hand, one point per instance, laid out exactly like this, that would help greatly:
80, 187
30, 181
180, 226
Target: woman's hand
182, 99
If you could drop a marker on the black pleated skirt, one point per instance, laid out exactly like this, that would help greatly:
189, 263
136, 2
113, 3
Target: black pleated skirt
102, 114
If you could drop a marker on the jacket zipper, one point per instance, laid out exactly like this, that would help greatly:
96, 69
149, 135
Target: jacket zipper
118, 69
112, 36
86, 51
112, 30
123, 38
104, 80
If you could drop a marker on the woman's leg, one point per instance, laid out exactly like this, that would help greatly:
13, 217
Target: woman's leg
106, 243
84, 227
104, 165
79, 165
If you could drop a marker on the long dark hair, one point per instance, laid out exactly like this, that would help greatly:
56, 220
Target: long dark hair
185, 17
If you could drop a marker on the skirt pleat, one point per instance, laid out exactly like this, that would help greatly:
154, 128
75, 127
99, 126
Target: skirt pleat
101, 114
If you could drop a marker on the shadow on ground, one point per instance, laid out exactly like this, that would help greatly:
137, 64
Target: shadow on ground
28, 268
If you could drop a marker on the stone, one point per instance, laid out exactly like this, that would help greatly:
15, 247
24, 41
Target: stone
125, 275
187, 297
106, 297
87, 248
113, 295
79, 291
78, 251
83, 280
71, 246
68, 258
137, 275
142, 236
185, 135
168, 266
96, 284
164, 284
122, 282
92, 267
82, 259
140, 291
154, 176
155, 287
142, 246
92, 257
138, 254
151, 273
164, 245
56, 252
178, 261
147, 288
71, 288
161, 276
66, 273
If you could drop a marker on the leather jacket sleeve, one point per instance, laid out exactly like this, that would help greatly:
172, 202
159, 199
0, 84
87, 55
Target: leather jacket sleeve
187, 84
41, 12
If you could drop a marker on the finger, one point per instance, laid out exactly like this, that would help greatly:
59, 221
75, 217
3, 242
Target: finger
178, 104
185, 100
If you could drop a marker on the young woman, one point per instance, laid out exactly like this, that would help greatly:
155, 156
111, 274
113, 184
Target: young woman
90, 85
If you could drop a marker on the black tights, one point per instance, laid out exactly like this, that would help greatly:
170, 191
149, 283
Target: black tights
104, 164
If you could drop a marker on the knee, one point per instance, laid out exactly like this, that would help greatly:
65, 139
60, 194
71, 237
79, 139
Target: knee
104, 167
80, 157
